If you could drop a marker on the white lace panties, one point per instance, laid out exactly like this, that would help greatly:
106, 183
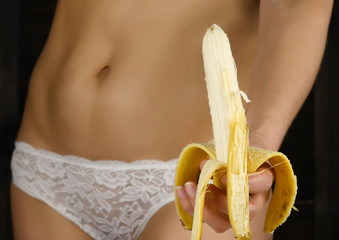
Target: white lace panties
106, 199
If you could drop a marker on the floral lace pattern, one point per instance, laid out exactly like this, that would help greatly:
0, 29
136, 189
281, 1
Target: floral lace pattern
106, 199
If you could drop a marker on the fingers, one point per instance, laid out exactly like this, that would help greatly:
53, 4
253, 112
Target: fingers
261, 182
257, 202
216, 198
202, 163
186, 195
216, 219
215, 207
259, 187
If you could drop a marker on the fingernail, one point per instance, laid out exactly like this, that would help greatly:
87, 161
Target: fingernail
190, 189
180, 192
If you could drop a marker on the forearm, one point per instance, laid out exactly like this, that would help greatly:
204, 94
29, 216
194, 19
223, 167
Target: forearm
292, 37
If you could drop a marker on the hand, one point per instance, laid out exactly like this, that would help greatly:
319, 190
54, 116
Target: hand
215, 208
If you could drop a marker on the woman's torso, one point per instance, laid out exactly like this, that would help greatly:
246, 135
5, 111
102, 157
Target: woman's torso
124, 80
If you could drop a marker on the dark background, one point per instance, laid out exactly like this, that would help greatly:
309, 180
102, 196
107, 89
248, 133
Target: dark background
312, 142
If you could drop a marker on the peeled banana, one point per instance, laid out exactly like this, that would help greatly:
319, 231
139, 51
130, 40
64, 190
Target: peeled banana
229, 152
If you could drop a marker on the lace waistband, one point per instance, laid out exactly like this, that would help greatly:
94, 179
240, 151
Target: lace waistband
117, 164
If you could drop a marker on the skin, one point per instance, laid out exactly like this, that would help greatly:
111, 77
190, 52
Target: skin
116, 80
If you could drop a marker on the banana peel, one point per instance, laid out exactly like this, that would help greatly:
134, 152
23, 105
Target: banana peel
229, 152
284, 191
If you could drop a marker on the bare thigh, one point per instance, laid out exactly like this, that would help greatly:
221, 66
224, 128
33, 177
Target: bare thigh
34, 220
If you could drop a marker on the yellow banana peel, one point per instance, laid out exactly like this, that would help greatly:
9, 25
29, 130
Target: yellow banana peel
229, 152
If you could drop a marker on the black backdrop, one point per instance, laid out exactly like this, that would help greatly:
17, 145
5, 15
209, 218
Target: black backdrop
312, 142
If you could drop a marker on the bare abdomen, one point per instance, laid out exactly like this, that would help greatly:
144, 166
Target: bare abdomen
127, 87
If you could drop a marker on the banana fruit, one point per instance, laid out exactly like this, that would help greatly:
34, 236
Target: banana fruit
229, 152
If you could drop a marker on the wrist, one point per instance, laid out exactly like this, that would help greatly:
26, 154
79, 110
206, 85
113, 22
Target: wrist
267, 137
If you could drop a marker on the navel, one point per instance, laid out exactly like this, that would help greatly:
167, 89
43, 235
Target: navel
102, 74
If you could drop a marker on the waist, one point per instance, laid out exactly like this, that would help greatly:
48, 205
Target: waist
118, 118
